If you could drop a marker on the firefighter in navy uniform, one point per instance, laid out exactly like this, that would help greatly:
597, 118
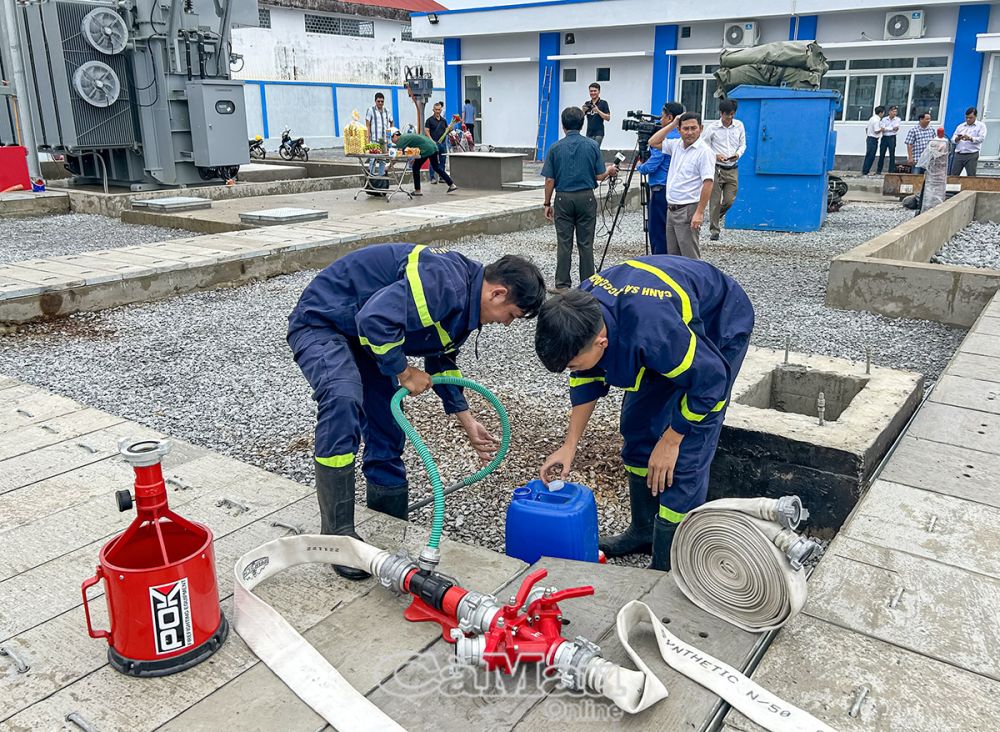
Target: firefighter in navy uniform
672, 332
351, 332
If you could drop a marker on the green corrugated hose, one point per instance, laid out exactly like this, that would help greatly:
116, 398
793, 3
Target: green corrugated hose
428, 460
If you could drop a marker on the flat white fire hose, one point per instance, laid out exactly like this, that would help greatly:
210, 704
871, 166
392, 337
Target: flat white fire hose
729, 547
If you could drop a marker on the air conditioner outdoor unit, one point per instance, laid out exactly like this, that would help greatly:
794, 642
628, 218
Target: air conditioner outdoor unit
741, 35
900, 24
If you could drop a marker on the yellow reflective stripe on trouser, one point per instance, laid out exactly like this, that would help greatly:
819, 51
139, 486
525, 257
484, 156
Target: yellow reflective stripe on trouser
336, 461
671, 283
638, 380
694, 417
420, 298
455, 374
384, 348
575, 381
671, 516
641, 472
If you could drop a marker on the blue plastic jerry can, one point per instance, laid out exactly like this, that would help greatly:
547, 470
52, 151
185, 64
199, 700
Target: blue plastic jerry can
558, 520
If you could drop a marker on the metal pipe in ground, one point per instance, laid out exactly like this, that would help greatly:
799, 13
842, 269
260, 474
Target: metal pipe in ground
24, 111
430, 499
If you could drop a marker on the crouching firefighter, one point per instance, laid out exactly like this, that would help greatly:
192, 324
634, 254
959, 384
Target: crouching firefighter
672, 332
351, 332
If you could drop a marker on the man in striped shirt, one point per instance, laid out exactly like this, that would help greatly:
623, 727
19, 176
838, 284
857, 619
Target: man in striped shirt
917, 139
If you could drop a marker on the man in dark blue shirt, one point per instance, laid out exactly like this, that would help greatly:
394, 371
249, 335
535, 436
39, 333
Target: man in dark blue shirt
573, 167
655, 169
351, 333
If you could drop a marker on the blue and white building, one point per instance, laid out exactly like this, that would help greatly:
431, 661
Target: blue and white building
524, 60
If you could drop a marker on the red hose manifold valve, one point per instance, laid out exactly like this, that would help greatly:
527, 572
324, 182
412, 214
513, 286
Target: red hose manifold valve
159, 579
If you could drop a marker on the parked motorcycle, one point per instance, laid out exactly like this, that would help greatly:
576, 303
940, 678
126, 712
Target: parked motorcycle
257, 151
459, 138
291, 149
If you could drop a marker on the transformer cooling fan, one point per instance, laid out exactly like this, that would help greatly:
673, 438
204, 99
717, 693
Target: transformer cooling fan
734, 35
105, 30
97, 83
898, 25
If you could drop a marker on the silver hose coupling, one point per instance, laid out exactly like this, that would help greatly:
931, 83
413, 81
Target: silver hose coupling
429, 559
143, 453
393, 571
799, 549
572, 660
791, 512
469, 650
476, 612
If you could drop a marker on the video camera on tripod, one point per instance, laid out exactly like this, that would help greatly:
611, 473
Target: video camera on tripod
644, 125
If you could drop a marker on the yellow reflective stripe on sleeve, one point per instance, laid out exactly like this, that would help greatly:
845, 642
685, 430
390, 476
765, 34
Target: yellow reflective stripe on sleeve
688, 358
641, 472
692, 416
671, 283
337, 461
671, 516
575, 381
383, 349
420, 298
454, 373
638, 380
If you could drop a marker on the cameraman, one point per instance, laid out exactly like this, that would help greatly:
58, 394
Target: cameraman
655, 169
598, 112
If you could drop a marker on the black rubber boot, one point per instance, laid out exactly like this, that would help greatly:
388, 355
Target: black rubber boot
335, 490
391, 500
663, 539
638, 537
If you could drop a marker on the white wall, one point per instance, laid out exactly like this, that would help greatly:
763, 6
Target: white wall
286, 52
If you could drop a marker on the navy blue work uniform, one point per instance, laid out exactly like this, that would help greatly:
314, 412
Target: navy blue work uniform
655, 169
678, 330
352, 330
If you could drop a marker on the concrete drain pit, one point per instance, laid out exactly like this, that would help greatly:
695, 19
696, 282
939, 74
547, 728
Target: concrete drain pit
795, 388
773, 444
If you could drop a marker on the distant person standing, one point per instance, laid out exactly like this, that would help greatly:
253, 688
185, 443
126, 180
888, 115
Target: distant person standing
573, 167
598, 112
378, 120
968, 139
873, 134
655, 169
689, 183
469, 117
437, 127
728, 140
916, 141
890, 128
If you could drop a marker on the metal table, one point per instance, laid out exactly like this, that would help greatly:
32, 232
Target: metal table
396, 168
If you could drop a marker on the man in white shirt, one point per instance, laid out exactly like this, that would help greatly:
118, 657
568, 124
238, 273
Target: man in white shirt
378, 120
890, 127
728, 140
968, 139
873, 133
689, 182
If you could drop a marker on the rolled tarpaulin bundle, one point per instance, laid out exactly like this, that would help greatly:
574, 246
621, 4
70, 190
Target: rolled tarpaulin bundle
792, 54
766, 75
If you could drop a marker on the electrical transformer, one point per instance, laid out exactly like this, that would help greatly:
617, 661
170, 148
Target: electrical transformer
136, 92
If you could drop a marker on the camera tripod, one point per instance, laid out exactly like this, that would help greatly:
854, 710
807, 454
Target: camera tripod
637, 157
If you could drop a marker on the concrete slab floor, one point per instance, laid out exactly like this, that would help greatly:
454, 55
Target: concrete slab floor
339, 203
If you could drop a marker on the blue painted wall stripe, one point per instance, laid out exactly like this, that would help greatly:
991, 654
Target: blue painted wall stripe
966, 64
395, 105
548, 45
664, 67
792, 24
336, 112
263, 110
806, 30
452, 76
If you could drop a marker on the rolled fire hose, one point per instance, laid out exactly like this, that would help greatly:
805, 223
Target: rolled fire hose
732, 547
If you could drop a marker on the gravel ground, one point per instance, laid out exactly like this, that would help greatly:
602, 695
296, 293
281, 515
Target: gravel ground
213, 367
977, 245
53, 236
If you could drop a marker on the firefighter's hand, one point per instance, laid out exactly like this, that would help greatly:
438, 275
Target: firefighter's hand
564, 457
485, 444
662, 462
414, 380
549, 213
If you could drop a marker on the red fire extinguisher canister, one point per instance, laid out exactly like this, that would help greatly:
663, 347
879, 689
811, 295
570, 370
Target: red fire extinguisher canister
159, 579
